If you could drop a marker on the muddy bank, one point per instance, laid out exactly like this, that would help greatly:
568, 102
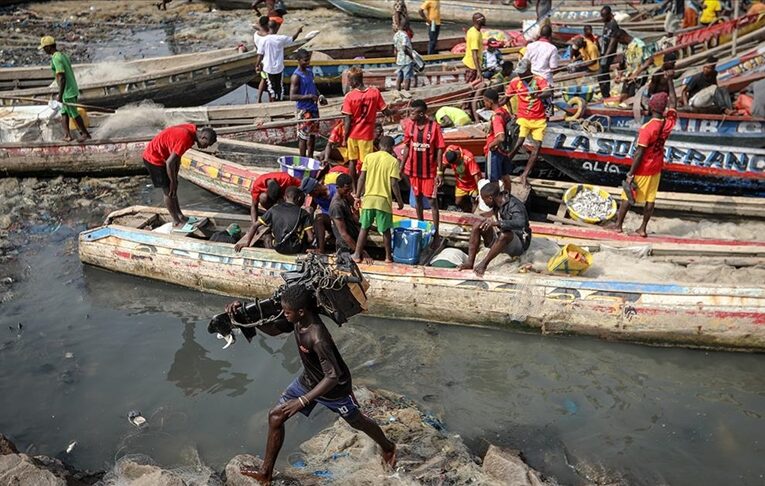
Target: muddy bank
426, 452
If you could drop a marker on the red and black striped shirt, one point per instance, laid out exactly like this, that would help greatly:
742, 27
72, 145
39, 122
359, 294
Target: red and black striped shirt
423, 142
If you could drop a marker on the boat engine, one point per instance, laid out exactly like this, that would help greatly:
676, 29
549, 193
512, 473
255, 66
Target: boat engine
335, 281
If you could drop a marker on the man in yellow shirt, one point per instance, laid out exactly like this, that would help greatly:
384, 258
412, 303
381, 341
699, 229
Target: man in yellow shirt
585, 53
710, 12
379, 177
430, 11
474, 48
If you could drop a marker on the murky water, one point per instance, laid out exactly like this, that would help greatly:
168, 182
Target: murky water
95, 345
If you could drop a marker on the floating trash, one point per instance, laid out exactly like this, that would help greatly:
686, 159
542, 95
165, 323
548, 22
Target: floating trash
135, 418
70, 447
590, 204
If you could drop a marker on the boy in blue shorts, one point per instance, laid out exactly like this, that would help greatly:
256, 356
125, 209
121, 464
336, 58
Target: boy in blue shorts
326, 379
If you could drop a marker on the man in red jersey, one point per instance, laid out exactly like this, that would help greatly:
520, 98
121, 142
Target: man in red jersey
266, 191
162, 159
360, 108
423, 147
466, 175
645, 173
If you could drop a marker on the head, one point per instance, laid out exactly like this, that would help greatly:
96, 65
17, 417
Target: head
493, 44
710, 67
271, 196
490, 99
418, 111
403, 26
206, 137
479, 20
588, 30
344, 185
669, 61
356, 77
658, 103
546, 31
303, 57
578, 43
387, 143
491, 195
524, 68
273, 26
453, 157
507, 68
378, 131
297, 303
606, 15
48, 45
294, 195
445, 121
263, 23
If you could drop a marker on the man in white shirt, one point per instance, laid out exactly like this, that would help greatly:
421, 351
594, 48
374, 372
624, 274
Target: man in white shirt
271, 59
543, 55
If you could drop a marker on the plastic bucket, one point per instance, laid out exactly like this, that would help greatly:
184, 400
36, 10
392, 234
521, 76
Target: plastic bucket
426, 227
299, 167
407, 244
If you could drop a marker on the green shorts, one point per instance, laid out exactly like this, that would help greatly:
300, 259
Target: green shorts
382, 219
69, 110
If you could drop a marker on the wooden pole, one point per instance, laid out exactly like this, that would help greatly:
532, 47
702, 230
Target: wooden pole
736, 7
45, 102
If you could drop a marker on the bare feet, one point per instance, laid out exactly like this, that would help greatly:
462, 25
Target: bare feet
389, 458
83, 138
255, 474
67, 138
641, 233
613, 227
356, 258
465, 266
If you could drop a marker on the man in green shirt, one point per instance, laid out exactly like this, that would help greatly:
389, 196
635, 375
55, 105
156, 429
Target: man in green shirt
68, 92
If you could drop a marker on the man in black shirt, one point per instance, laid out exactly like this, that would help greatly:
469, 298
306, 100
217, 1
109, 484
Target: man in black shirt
326, 379
291, 225
507, 232
706, 78
609, 42
345, 221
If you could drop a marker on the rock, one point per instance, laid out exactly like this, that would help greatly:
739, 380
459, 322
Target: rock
22, 469
506, 465
5, 221
6, 446
130, 471
234, 477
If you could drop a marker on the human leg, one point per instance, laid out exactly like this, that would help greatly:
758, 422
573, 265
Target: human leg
387, 241
604, 78
476, 234
361, 422
433, 38
648, 186
321, 227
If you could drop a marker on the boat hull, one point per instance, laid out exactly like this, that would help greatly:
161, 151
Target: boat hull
699, 316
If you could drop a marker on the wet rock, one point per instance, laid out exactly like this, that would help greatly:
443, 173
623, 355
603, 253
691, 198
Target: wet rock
506, 465
131, 472
22, 469
6, 446
5, 221
234, 477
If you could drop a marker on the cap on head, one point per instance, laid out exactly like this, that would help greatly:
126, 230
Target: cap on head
658, 102
524, 66
308, 185
493, 42
46, 41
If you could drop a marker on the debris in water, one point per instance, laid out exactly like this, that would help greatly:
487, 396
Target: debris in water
70, 448
135, 418
68, 355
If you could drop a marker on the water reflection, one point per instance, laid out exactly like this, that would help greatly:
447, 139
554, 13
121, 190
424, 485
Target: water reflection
194, 372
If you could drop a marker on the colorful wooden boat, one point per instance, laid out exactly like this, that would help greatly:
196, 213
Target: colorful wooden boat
697, 315
247, 4
385, 49
497, 14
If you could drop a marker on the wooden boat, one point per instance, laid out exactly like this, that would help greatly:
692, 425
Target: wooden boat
385, 49
385, 79
247, 4
698, 315
497, 15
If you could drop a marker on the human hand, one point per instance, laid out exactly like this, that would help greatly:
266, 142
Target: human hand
400, 205
232, 309
480, 269
239, 245
486, 224
292, 407
630, 178
669, 74
323, 101
439, 180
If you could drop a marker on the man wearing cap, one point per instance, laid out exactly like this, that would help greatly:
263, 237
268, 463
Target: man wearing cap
162, 158
266, 190
492, 59
585, 54
68, 92
642, 182
531, 91
474, 48
466, 174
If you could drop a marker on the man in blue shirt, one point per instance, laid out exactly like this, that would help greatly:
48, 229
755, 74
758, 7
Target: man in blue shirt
303, 90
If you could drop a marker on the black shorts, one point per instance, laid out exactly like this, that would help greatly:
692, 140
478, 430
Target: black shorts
158, 174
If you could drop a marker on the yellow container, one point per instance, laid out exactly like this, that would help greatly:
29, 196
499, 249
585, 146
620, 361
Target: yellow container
85, 119
574, 190
571, 259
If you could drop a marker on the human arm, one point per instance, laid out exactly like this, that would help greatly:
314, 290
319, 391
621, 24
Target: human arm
246, 240
476, 59
397, 192
505, 237
297, 34
61, 80
346, 127
295, 89
331, 370
636, 159
360, 186
439, 170
342, 229
498, 129
670, 77
259, 62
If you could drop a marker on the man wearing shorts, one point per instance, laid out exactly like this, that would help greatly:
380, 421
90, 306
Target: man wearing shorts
645, 172
474, 49
506, 231
423, 148
531, 91
379, 178
466, 174
303, 90
498, 162
162, 159
271, 58
326, 379
404, 57
360, 108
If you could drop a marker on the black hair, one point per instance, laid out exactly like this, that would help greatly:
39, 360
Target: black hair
492, 95
294, 194
606, 8
711, 60
670, 56
273, 25
452, 156
273, 190
490, 189
546, 31
210, 134
263, 21
419, 104
386, 142
507, 65
296, 297
303, 54
343, 180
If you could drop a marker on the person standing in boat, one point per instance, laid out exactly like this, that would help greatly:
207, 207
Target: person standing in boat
466, 175
421, 159
271, 59
162, 158
609, 43
506, 231
68, 92
303, 90
430, 11
644, 175
326, 380
360, 108
474, 49
543, 55
498, 162
402, 44
258, 37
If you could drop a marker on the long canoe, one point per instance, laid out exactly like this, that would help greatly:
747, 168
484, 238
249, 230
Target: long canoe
497, 14
696, 315
247, 4
385, 49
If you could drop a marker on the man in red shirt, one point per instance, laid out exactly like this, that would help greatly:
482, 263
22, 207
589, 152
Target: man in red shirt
423, 147
498, 163
645, 172
531, 91
467, 174
162, 159
360, 108
266, 191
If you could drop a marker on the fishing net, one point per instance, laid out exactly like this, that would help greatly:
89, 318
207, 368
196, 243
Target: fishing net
140, 469
145, 119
